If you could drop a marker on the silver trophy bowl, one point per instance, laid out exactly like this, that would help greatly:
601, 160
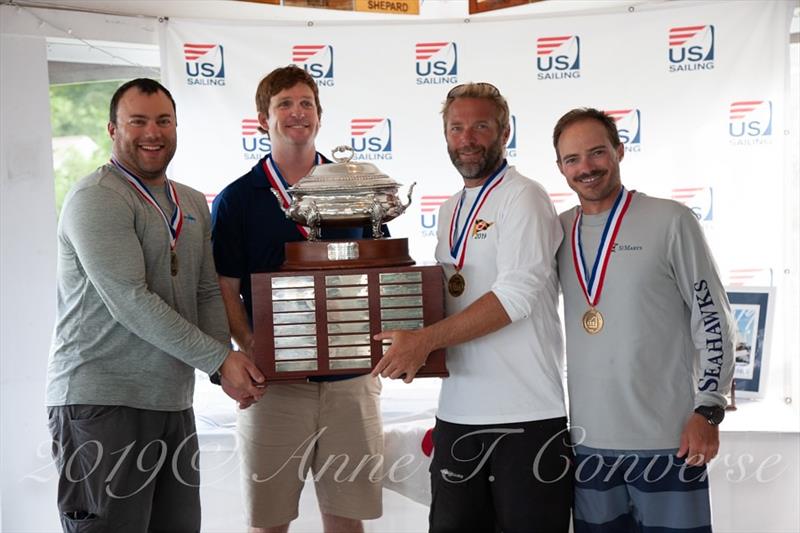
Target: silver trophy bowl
344, 194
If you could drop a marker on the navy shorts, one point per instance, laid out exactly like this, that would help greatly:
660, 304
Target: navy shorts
126, 470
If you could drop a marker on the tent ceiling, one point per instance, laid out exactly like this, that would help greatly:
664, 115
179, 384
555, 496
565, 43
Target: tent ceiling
242, 10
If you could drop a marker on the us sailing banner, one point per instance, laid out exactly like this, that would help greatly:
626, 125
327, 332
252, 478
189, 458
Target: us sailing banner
696, 89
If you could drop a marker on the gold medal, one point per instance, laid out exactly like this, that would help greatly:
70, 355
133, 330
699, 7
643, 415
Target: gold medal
173, 263
592, 321
456, 284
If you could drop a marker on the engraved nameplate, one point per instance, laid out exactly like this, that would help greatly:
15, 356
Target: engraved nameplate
348, 327
400, 277
293, 305
350, 351
342, 340
354, 279
284, 354
347, 316
290, 282
295, 366
292, 294
345, 292
412, 312
401, 324
294, 342
338, 251
293, 318
295, 329
349, 303
401, 301
343, 364
391, 290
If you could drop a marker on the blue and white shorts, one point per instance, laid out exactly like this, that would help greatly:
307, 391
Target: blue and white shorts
647, 491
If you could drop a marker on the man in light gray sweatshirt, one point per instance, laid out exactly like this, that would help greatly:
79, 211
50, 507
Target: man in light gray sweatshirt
649, 343
139, 310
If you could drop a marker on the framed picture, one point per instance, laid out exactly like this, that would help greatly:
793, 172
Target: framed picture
752, 310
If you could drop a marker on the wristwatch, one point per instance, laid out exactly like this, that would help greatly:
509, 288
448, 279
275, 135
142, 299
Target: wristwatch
215, 378
712, 413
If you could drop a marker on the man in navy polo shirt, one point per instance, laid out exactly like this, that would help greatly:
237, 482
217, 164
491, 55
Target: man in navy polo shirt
330, 418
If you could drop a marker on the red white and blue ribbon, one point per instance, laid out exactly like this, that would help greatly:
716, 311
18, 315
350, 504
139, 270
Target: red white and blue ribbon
175, 222
277, 181
592, 284
458, 245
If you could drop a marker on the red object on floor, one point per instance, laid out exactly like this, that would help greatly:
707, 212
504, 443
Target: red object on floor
427, 442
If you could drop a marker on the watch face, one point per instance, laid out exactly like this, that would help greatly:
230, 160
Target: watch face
714, 414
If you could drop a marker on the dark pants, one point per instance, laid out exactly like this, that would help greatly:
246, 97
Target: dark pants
126, 470
514, 478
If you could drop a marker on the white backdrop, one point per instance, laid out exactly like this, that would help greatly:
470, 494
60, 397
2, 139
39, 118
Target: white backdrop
698, 89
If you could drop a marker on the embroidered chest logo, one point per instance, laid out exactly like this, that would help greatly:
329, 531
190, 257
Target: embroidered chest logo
480, 227
620, 247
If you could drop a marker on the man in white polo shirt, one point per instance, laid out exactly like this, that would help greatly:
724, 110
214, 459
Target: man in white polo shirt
502, 456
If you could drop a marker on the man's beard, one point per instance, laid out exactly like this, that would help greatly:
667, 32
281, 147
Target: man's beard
487, 163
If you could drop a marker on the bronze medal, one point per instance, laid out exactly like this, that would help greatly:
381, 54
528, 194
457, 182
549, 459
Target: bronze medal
173, 263
592, 321
456, 284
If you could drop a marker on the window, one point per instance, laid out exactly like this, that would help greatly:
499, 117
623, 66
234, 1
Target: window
83, 77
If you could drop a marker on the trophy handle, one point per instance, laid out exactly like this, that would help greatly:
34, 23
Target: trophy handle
410, 189
343, 148
377, 214
280, 202
313, 219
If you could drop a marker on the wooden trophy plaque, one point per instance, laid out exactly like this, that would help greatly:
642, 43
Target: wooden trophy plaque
319, 315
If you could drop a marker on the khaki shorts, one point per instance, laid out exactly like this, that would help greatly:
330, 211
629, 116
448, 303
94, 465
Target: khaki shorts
334, 429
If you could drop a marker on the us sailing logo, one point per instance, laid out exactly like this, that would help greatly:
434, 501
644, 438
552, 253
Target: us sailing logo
739, 277
205, 64
700, 200
511, 145
558, 57
317, 60
691, 48
255, 144
436, 63
429, 212
562, 200
750, 122
629, 127
371, 138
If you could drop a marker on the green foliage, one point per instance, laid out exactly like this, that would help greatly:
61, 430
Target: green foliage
74, 165
75, 110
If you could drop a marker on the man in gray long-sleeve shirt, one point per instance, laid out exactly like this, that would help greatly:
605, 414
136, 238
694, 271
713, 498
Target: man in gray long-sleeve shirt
139, 309
649, 343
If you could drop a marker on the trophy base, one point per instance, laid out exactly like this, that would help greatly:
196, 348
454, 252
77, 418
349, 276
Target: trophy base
324, 255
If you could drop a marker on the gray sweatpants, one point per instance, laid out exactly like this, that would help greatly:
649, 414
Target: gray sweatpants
126, 470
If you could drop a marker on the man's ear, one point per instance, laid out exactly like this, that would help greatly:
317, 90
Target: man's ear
263, 122
112, 129
506, 135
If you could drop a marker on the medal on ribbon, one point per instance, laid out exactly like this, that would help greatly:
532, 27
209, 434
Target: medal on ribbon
279, 184
458, 241
174, 223
592, 282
